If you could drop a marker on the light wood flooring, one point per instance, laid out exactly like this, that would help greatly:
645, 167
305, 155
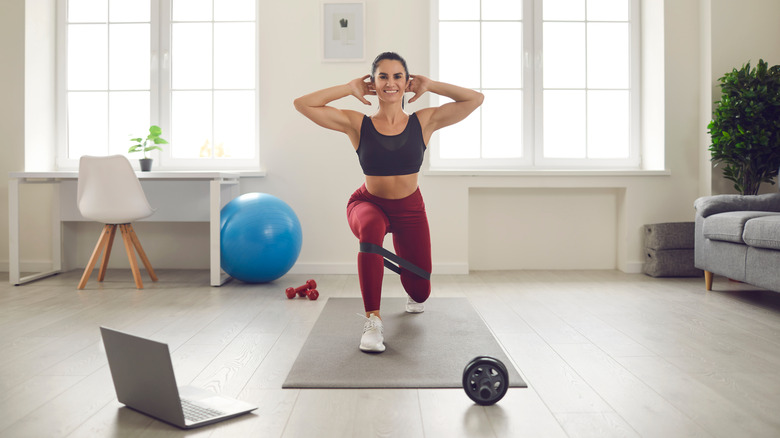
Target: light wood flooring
605, 354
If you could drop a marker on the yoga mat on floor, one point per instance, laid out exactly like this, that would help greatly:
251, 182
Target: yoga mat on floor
426, 350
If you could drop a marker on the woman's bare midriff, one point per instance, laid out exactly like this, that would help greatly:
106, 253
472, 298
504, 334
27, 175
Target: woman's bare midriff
391, 187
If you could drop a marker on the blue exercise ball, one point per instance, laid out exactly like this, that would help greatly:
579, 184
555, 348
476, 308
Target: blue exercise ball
260, 238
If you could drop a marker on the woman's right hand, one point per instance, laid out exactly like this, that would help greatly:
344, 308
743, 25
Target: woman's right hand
361, 87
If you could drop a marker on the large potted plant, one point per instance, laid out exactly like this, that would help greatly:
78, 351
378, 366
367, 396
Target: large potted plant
745, 128
146, 145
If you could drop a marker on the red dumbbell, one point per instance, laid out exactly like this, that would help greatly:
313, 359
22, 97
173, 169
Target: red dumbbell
303, 291
313, 294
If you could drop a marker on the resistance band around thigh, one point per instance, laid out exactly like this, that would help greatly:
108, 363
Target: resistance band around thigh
389, 258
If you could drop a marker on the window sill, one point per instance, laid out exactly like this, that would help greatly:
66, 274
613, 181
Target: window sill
547, 172
252, 173
240, 173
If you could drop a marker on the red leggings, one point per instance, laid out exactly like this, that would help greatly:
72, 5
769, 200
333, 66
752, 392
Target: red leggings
370, 219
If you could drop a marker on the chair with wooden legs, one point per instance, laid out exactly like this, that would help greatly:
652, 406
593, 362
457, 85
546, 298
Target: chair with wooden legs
109, 192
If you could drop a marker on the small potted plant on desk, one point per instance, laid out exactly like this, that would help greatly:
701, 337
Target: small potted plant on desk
148, 144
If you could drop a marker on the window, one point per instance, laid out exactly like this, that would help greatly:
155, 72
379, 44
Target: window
189, 66
560, 79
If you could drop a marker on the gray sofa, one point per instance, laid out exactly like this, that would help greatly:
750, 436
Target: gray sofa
739, 237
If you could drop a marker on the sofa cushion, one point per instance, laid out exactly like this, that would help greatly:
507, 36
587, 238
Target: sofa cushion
730, 226
710, 205
763, 232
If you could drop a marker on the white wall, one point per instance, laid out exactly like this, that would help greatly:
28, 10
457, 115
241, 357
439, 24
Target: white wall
582, 215
315, 171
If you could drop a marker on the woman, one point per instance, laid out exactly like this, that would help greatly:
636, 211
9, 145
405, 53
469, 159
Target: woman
390, 146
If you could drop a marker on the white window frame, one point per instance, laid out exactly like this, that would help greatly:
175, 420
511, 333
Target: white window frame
532, 112
160, 85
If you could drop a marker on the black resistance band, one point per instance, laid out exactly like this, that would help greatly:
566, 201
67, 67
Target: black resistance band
400, 263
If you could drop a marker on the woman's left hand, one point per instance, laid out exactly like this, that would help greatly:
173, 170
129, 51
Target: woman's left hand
418, 85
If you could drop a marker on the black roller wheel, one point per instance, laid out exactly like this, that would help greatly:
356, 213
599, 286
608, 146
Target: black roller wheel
485, 380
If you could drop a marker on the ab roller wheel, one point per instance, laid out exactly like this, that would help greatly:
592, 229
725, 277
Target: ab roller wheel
485, 380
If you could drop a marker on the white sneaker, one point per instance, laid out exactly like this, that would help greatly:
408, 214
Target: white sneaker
413, 306
373, 338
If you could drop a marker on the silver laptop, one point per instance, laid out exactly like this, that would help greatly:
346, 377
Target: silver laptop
144, 381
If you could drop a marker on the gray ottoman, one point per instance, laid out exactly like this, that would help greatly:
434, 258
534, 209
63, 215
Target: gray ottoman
669, 250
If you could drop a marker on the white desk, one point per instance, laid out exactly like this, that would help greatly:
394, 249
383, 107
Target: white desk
222, 186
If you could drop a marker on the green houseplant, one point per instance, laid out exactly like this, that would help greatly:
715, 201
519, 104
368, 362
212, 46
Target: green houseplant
147, 144
745, 128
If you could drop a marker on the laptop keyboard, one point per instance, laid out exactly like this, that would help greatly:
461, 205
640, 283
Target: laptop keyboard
195, 413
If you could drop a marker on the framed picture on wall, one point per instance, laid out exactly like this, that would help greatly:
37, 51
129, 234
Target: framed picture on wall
343, 31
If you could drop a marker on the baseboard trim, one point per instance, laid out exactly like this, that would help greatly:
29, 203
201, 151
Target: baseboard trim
632, 267
326, 268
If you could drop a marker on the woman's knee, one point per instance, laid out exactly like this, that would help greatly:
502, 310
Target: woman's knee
417, 287
369, 225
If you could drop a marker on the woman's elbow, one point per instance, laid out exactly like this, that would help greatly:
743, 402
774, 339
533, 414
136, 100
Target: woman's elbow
299, 105
479, 98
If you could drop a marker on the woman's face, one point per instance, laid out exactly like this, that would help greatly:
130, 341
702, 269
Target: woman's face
390, 80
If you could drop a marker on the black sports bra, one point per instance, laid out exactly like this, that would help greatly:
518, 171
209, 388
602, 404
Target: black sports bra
384, 155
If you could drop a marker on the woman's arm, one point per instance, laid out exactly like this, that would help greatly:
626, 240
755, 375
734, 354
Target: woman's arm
465, 102
315, 105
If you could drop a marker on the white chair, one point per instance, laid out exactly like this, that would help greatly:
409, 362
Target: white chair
109, 192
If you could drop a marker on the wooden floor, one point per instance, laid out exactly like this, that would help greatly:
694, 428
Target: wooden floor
605, 354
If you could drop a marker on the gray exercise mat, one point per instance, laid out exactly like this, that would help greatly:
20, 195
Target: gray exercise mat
427, 350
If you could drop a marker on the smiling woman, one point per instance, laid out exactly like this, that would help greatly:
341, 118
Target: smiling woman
390, 145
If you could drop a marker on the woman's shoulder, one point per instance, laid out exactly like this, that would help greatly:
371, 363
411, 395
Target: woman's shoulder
355, 118
424, 115
352, 114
